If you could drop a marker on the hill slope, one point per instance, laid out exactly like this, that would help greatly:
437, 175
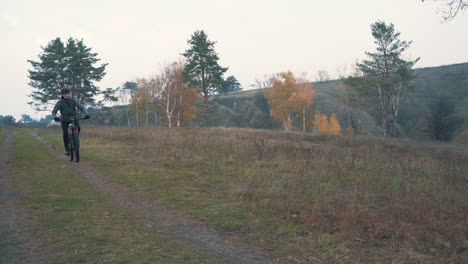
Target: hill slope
249, 109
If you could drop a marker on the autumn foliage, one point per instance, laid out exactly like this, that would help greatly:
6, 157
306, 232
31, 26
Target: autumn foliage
289, 95
324, 125
164, 98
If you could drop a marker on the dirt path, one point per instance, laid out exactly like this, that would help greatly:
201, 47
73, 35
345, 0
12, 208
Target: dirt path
16, 243
175, 224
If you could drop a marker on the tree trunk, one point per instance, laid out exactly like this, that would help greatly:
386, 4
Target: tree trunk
207, 109
137, 115
169, 120
178, 119
146, 114
155, 118
128, 117
359, 117
304, 119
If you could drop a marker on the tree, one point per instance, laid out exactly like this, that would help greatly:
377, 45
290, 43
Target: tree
67, 65
334, 125
350, 96
128, 89
8, 121
442, 121
452, 8
26, 118
202, 70
288, 95
322, 75
283, 87
43, 122
303, 99
140, 103
386, 75
231, 85
166, 87
320, 123
324, 125
187, 96
169, 95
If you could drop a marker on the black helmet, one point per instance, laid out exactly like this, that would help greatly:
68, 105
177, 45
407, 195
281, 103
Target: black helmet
64, 91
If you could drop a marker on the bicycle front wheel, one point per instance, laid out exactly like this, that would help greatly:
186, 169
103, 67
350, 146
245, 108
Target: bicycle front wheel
70, 147
76, 147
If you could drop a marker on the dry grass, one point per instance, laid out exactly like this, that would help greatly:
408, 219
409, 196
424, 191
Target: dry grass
406, 194
462, 138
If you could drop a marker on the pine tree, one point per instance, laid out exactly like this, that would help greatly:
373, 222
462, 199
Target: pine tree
67, 65
386, 75
202, 70
231, 85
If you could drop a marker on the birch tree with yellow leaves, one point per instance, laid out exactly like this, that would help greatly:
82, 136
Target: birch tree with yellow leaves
289, 95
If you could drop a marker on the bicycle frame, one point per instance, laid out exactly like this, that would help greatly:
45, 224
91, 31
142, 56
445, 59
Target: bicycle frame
72, 130
74, 139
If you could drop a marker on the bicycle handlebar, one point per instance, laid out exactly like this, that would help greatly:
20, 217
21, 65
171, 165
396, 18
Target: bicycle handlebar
73, 119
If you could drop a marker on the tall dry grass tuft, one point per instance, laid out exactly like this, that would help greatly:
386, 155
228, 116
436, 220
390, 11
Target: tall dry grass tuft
372, 188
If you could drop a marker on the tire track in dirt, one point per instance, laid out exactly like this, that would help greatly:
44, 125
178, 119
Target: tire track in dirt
16, 243
175, 224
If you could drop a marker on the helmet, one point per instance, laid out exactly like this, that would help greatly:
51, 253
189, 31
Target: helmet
64, 91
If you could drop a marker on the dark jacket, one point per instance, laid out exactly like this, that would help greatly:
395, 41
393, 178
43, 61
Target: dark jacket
68, 108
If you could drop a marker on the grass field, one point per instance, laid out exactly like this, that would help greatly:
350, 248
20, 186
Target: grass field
76, 224
314, 199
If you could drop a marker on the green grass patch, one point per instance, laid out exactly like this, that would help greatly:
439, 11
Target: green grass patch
28, 148
81, 225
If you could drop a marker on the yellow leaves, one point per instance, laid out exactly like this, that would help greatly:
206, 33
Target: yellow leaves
303, 95
334, 126
350, 131
289, 94
165, 98
320, 123
324, 125
140, 101
187, 96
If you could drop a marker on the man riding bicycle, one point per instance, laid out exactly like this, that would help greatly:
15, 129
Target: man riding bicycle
67, 106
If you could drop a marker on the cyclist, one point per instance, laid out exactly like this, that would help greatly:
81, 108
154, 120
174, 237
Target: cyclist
67, 106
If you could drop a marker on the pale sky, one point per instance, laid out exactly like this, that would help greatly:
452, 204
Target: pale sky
254, 37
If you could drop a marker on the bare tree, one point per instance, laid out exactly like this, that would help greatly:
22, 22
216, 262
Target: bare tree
349, 98
170, 95
166, 86
322, 75
123, 96
452, 8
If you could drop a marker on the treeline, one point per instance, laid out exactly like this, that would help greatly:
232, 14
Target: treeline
383, 78
186, 92
26, 120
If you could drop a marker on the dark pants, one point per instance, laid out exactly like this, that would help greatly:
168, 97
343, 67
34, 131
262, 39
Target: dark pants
65, 124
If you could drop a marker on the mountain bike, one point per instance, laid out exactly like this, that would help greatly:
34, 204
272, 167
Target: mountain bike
74, 139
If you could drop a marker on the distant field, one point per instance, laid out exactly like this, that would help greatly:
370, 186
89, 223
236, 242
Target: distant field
314, 199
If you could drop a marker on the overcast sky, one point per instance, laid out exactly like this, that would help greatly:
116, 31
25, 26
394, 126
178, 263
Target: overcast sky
254, 37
